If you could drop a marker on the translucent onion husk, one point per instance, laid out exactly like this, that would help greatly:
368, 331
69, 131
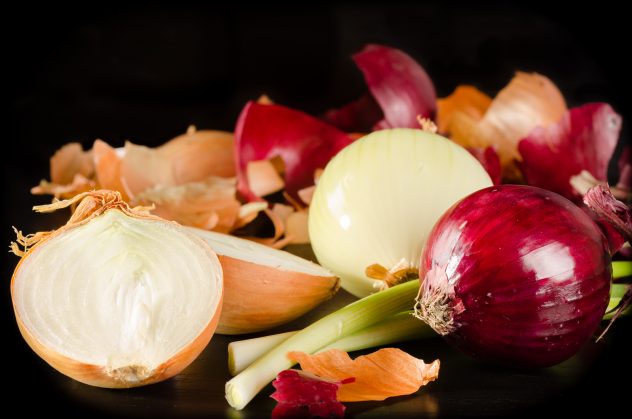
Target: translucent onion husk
265, 287
530, 100
149, 349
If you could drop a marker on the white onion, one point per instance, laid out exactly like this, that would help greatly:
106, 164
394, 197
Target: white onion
378, 199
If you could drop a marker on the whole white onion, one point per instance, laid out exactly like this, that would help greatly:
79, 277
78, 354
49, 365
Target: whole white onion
378, 199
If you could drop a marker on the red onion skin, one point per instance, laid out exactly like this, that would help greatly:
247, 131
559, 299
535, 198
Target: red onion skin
301, 395
531, 274
303, 142
584, 139
490, 161
400, 88
399, 85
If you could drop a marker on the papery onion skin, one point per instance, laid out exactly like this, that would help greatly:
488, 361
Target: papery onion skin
528, 101
300, 394
399, 84
515, 275
584, 139
303, 143
400, 88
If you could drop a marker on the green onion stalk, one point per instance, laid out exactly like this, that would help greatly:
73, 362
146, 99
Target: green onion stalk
401, 327
241, 389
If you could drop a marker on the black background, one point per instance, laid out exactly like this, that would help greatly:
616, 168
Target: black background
144, 73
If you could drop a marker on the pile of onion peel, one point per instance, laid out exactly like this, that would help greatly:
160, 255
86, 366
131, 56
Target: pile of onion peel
332, 377
538, 140
205, 179
116, 297
191, 180
528, 101
265, 287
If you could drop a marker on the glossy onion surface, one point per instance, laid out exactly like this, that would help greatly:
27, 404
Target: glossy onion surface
523, 272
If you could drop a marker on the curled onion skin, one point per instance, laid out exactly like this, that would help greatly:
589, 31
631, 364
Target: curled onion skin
515, 275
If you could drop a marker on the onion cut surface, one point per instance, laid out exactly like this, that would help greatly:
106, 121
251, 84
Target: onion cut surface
117, 298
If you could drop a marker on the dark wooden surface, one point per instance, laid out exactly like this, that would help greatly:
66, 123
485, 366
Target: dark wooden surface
145, 72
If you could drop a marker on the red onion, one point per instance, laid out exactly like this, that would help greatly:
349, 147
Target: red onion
515, 275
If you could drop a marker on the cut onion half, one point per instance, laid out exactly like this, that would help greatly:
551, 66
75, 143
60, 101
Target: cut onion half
117, 297
265, 287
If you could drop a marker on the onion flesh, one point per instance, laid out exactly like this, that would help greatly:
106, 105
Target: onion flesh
118, 300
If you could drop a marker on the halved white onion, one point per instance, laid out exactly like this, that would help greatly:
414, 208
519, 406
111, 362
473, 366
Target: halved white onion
117, 298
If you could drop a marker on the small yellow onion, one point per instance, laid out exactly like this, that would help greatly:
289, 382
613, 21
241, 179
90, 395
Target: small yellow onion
116, 297
265, 287
378, 199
